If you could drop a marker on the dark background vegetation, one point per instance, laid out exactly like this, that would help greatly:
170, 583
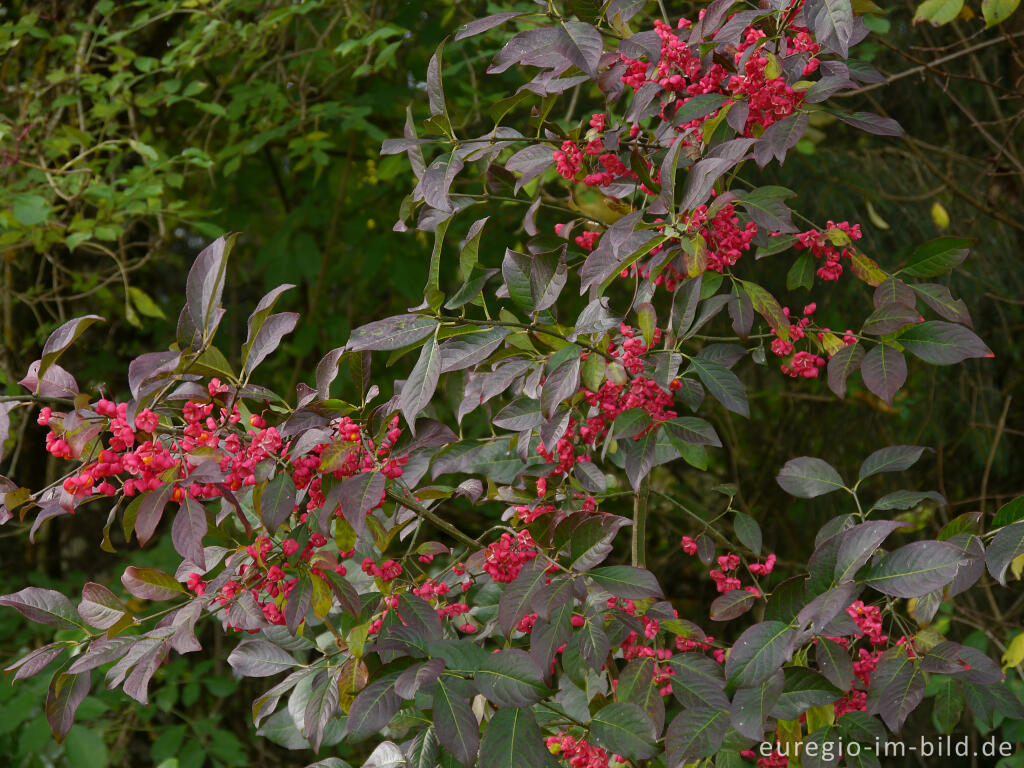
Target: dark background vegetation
132, 133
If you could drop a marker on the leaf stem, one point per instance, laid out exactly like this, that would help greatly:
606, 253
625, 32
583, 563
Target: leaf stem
639, 540
407, 501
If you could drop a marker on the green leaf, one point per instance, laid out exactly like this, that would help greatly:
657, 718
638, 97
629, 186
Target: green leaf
696, 733
626, 581
1010, 512
723, 385
801, 274
512, 739
748, 532
84, 748
915, 569
624, 728
803, 689
758, 652
942, 343
510, 678
455, 723
630, 423
938, 256
30, 210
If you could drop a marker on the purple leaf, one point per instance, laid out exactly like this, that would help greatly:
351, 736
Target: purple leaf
625, 728
151, 584
373, 708
417, 676
391, 333
889, 318
696, 733
435, 87
723, 385
916, 569
731, 604
895, 458
55, 382
871, 123
808, 477
65, 693
137, 683
627, 582
188, 529
299, 601
321, 707
561, 384
437, 181
62, 338
151, 509
942, 302
260, 658
102, 651
100, 607
478, 26
832, 23
419, 388
45, 606
530, 162
894, 291
1005, 547
510, 678
149, 366
750, 706
581, 44
843, 363
884, 370
35, 662
205, 284
455, 722
779, 139
357, 495
701, 180
276, 501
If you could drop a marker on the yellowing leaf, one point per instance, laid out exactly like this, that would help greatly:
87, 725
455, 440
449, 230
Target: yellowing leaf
831, 343
938, 11
322, 600
1017, 566
997, 11
1014, 652
603, 210
875, 219
144, 304
860, 7
940, 215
